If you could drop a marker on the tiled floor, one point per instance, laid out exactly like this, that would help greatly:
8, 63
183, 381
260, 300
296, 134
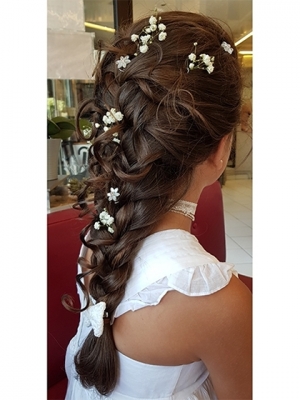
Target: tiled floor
237, 200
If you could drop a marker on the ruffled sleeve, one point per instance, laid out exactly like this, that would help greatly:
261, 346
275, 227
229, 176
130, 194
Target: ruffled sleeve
172, 260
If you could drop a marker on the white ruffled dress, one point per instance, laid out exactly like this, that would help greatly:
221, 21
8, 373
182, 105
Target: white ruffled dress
166, 260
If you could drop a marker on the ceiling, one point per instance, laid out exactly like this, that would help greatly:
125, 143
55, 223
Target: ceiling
237, 14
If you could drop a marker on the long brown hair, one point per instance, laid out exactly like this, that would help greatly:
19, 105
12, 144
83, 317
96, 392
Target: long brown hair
173, 120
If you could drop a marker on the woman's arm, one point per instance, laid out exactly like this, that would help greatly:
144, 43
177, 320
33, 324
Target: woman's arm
226, 342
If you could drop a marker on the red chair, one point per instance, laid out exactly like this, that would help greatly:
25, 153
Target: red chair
248, 281
63, 249
209, 225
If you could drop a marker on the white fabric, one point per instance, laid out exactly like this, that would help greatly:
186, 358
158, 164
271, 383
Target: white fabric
94, 316
167, 260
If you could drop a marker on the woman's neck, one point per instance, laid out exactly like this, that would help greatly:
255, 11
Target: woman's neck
180, 216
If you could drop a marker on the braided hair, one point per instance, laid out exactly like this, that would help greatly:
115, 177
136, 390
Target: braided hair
171, 120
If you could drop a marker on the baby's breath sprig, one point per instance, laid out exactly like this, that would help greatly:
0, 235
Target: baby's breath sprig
148, 34
204, 61
144, 39
110, 118
105, 220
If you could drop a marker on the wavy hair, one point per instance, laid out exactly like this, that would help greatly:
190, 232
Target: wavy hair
173, 121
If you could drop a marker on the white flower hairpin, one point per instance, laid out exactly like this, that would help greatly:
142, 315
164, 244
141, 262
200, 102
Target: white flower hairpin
146, 37
113, 194
105, 220
204, 61
226, 46
110, 118
122, 62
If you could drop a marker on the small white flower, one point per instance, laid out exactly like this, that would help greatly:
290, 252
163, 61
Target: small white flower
115, 139
122, 63
134, 38
153, 27
148, 30
152, 20
144, 48
162, 36
227, 47
144, 39
195, 43
110, 220
106, 120
113, 194
97, 225
162, 27
192, 57
105, 218
205, 59
191, 66
117, 115
110, 230
210, 68
105, 128
97, 125
111, 116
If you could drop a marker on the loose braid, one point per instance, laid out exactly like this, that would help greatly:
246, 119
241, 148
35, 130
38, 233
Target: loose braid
172, 121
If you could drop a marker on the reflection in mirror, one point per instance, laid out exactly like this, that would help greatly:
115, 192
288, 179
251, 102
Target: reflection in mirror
63, 98
64, 95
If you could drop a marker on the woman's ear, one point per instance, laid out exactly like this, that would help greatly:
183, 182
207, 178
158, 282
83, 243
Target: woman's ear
220, 157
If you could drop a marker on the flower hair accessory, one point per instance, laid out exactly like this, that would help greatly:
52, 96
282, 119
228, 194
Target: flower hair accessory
109, 119
204, 61
144, 39
95, 316
105, 220
115, 137
148, 34
122, 62
113, 195
227, 47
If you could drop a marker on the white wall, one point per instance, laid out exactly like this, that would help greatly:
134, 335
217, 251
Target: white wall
244, 144
70, 50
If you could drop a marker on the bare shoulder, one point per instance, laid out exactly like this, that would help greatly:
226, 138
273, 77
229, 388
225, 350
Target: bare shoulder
226, 346
219, 328
213, 319
216, 329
